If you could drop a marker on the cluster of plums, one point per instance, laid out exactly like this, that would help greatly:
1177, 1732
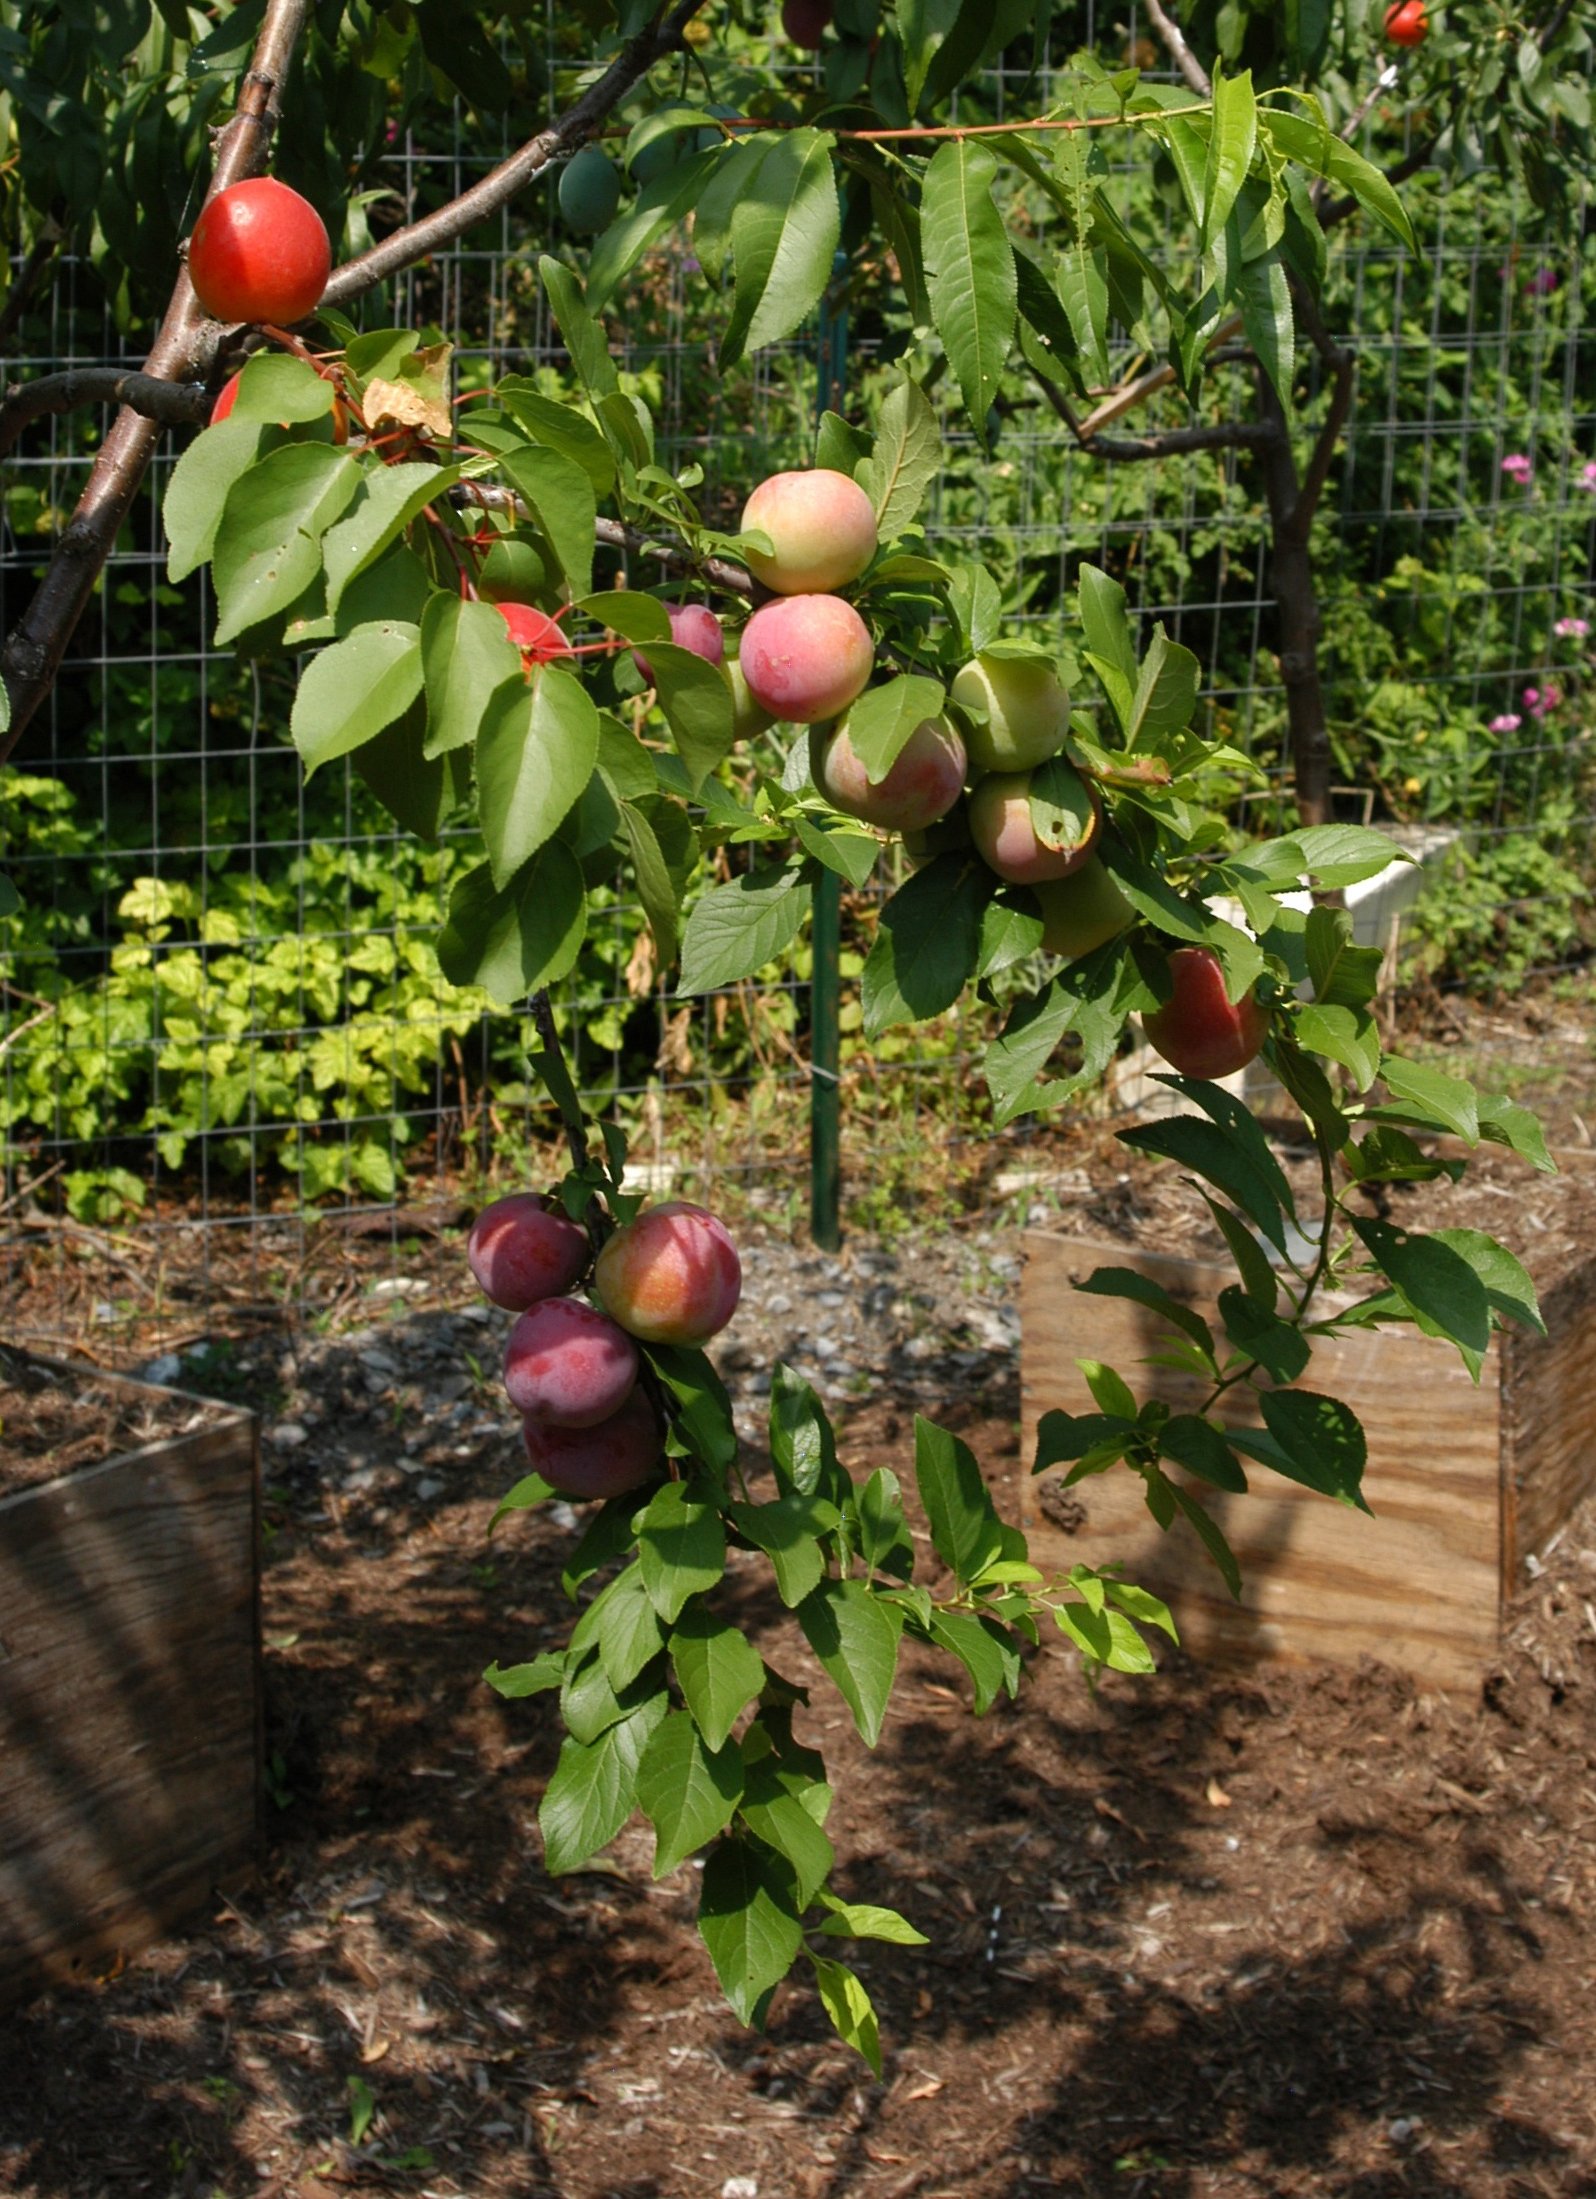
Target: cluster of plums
572, 1368
992, 781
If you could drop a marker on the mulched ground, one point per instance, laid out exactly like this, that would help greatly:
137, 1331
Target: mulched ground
1303, 1931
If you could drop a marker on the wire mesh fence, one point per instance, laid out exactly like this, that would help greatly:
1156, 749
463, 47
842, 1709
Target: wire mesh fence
220, 1019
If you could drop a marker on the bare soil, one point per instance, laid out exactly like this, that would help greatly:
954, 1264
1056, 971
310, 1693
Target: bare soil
1305, 1931
56, 1417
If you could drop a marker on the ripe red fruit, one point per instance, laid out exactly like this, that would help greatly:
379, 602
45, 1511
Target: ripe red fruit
619, 1454
259, 252
694, 627
568, 1365
806, 22
520, 1250
672, 1276
1406, 23
535, 634
1198, 1031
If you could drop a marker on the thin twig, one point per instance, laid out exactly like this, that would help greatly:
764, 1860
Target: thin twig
580, 123
1145, 385
1179, 52
1226, 435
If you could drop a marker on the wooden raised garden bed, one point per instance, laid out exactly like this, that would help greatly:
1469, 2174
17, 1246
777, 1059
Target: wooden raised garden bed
1465, 1483
130, 1683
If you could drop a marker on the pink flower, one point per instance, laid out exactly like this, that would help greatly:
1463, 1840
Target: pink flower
1519, 467
1572, 629
1587, 477
1537, 700
1508, 722
1543, 282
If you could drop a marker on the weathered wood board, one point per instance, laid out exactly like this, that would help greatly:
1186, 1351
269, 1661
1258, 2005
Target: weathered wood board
1420, 1584
130, 1705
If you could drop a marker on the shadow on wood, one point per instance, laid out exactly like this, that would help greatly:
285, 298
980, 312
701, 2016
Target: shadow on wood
130, 1704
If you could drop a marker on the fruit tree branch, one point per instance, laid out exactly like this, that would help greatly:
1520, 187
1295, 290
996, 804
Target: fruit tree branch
173, 404
1179, 52
184, 348
580, 123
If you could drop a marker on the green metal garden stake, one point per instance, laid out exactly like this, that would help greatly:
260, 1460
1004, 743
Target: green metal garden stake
825, 984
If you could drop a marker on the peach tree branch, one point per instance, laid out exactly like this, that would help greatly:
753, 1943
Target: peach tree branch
172, 404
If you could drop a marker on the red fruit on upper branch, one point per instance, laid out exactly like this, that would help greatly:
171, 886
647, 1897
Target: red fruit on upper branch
1406, 23
1198, 1030
259, 252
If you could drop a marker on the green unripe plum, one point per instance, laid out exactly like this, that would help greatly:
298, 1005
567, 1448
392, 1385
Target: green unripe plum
749, 719
806, 657
921, 785
1003, 827
1027, 711
821, 525
660, 153
512, 571
1082, 911
590, 191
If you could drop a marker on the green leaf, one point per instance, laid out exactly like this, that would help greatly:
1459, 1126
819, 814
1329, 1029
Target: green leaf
1108, 637
584, 339
851, 854
788, 1530
1507, 1281
883, 719
1127, 1282
1346, 1035
535, 753
1279, 1347
718, 1669
1267, 320
560, 427
590, 1702
1209, 1534
420, 791
667, 200
749, 1919
1213, 1154
196, 496
802, 1449
1258, 1277
1166, 691
1447, 1297
656, 888
986, 1653
970, 270
688, 1792
1062, 1436
904, 460
467, 656
1322, 1440
866, 1920
513, 940
1450, 1102
1323, 855
854, 1633
735, 929
697, 703
1313, 145
593, 1789
559, 494
927, 944
847, 2004
390, 498
703, 1408
681, 1548
1505, 1122
546, 1670
784, 232
268, 546
10, 899
965, 1529
1232, 140
884, 1542
622, 1623
773, 1808
352, 690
